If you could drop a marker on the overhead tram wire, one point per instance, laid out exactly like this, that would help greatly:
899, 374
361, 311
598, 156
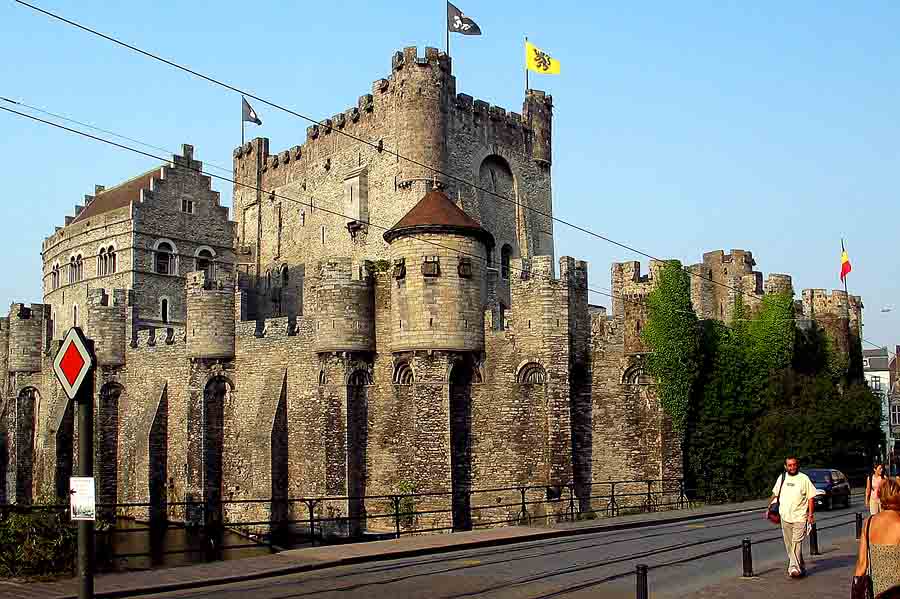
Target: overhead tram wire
381, 148
273, 194
106, 131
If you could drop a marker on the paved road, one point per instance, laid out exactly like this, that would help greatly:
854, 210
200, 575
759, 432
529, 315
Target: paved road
683, 559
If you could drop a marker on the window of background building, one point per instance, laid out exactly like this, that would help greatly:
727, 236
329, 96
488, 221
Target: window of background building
187, 206
895, 415
505, 257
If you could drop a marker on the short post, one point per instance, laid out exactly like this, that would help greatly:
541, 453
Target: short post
311, 504
641, 591
814, 540
524, 516
649, 495
396, 501
681, 493
747, 552
572, 500
612, 499
859, 525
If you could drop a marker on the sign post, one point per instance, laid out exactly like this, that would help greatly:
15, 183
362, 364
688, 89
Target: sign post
74, 368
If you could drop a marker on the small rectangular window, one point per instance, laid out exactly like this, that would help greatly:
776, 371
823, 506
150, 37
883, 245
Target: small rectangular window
431, 267
465, 268
187, 206
895, 415
400, 268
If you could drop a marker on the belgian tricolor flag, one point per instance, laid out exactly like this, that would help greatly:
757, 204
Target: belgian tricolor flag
845, 263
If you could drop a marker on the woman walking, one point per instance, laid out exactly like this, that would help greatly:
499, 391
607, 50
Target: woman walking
879, 547
873, 488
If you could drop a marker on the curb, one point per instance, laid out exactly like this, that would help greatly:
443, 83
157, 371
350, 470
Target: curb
348, 561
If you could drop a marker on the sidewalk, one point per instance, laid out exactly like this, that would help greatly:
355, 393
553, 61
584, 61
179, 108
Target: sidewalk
829, 578
316, 558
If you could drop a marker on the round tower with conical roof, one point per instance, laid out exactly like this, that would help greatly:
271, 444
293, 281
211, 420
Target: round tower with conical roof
439, 284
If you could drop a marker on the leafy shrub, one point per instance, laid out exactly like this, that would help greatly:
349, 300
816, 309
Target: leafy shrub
36, 544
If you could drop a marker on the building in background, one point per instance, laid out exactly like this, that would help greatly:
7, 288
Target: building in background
876, 367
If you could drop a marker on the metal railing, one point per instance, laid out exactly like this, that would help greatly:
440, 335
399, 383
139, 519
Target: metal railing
207, 529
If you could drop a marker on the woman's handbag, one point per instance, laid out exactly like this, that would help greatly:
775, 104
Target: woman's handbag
861, 586
773, 515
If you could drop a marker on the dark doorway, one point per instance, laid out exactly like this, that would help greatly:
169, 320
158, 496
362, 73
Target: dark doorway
64, 452
108, 450
357, 437
26, 408
461, 444
214, 397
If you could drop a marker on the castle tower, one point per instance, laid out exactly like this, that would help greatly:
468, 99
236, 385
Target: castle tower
423, 88
27, 331
440, 257
343, 307
106, 325
778, 283
210, 316
832, 313
538, 112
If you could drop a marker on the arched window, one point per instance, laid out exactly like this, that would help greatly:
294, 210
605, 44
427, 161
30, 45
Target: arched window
70, 277
165, 258
403, 374
79, 268
75, 315
164, 310
285, 275
359, 378
205, 261
505, 257
101, 262
54, 277
532, 374
635, 375
111, 266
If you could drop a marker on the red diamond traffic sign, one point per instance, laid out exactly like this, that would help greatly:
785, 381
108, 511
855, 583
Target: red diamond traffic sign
72, 362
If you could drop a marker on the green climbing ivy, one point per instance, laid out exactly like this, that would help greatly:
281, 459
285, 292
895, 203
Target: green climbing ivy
671, 334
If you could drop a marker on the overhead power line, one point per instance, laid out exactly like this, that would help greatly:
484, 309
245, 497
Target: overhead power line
273, 194
379, 147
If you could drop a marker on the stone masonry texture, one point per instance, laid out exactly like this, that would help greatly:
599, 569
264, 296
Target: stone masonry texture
311, 357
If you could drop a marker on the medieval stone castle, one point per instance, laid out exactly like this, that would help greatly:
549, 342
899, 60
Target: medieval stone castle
371, 320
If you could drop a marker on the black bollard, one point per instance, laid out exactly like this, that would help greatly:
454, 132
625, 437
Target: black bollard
814, 541
859, 525
641, 577
747, 551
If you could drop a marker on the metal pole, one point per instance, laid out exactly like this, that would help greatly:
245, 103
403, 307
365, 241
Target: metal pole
814, 541
84, 400
859, 525
747, 550
641, 591
396, 501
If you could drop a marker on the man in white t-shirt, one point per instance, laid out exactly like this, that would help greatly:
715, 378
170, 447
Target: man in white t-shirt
796, 506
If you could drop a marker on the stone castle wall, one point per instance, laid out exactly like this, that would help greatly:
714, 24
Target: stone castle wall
292, 207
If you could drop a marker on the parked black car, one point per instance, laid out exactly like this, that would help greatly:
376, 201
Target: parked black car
833, 487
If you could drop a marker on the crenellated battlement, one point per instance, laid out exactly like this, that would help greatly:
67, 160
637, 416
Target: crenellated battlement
742, 259
629, 285
340, 298
157, 336
819, 303
779, 283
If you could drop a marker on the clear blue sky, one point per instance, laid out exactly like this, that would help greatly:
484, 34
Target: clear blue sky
679, 127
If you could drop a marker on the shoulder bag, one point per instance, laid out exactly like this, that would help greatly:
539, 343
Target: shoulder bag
861, 586
773, 515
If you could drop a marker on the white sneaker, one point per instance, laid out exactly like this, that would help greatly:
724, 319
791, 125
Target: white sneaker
794, 572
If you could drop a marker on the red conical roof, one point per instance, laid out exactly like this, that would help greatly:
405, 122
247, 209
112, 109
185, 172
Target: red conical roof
437, 213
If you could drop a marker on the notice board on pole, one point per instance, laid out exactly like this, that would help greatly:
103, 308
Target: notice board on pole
82, 501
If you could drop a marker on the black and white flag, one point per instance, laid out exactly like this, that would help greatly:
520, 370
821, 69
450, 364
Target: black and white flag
247, 112
457, 22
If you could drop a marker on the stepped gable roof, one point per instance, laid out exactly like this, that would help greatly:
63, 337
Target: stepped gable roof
436, 213
117, 197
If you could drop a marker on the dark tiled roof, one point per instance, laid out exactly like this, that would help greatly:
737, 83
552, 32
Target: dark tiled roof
872, 353
877, 363
436, 212
118, 196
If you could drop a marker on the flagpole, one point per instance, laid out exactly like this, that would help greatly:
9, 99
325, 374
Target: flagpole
447, 28
526, 65
844, 278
